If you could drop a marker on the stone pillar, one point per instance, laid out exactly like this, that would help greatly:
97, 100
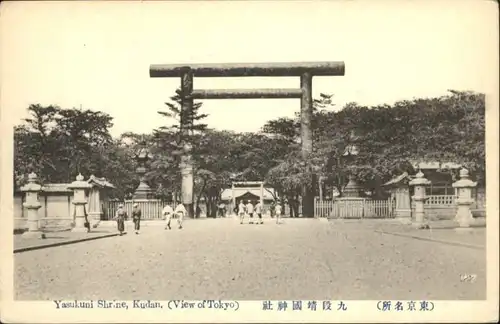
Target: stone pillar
464, 201
403, 204
95, 205
420, 182
31, 190
79, 201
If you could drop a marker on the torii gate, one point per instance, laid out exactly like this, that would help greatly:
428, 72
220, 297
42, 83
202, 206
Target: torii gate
305, 71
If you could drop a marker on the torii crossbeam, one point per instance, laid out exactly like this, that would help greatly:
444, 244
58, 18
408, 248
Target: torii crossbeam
304, 70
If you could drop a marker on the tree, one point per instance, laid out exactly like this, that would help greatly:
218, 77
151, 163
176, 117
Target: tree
179, 138
215, 162
35, 147
118, 166
390, 138
288, 130
58, 144
456, 131
288, 178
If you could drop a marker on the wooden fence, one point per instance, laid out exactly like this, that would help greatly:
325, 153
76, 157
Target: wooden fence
359, 208
150, 208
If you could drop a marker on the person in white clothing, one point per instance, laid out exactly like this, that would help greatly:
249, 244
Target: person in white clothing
258, 211
241, 211
278, 212
250, 211
167, 213
180, 212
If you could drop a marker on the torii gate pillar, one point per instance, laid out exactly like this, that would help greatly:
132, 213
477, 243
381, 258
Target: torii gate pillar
306, 110
186, 165
305, 71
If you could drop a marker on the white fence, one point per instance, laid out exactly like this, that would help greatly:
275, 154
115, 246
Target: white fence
359, 208
356, 208
441, 200
150, 208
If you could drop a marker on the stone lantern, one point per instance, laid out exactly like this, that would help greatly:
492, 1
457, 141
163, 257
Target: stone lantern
464, 201
351, 201
419, 196
142, 156
352, 189
32, 188
79, 186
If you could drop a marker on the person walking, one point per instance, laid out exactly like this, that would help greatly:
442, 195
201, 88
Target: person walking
120, 217
278, 212
222, 209
250, 211
180, 212
167, 213
241, 211
258, 211
272, 209
136, 217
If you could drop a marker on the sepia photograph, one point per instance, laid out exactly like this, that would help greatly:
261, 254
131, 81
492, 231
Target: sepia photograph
301, 155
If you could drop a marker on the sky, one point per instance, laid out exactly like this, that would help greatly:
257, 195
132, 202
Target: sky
96, 55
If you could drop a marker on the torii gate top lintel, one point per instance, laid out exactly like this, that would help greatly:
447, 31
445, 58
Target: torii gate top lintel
304, 70
248, 69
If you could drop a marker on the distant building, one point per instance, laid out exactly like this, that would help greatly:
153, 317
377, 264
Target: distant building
442, 179
248, 191
440, 176
57, 207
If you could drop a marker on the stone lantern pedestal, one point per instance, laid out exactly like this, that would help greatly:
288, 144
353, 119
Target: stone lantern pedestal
351, 204
352, 189
32, 205
187, 185
420, 182
464, 201
142, 156
79, 201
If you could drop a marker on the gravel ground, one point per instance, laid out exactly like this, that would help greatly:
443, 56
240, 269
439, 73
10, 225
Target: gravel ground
442, 231
21, 242
221, 259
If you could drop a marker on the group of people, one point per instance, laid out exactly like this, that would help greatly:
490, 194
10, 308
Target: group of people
244, 209
250, 208
168, 212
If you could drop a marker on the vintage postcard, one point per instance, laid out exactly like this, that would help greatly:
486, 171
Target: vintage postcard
249, 161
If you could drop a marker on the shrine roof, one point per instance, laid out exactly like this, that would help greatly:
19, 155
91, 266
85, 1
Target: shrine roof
227, 194
63, 187
56, 187
100, 182
397, 180
435, 165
